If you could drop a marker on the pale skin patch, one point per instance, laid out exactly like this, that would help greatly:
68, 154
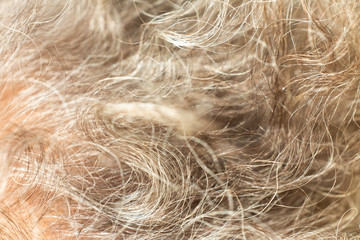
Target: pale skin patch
22, 216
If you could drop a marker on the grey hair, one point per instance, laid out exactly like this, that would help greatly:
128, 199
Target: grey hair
203, 119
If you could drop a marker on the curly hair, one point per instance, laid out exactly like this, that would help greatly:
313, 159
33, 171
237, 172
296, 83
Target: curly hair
179, 119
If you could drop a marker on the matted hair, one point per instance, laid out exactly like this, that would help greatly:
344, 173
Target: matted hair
178, 119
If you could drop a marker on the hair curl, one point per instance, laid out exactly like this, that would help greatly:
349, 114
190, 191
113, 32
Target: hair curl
174, 119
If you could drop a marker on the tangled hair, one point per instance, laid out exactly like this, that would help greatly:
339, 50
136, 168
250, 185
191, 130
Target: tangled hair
179, 119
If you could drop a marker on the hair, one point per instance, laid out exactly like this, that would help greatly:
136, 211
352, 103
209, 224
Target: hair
174, 119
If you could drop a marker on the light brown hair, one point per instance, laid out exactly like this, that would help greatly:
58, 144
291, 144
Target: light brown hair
203, 119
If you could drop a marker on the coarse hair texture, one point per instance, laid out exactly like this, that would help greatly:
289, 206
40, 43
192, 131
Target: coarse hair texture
179, 119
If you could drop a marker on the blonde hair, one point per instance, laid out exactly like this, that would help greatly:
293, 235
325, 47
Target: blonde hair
203, 119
